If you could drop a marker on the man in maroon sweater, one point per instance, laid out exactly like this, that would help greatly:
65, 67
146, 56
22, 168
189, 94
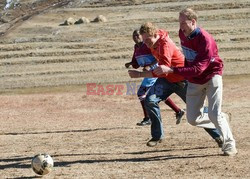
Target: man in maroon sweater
203, 70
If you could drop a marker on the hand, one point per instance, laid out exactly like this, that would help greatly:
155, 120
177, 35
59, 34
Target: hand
134, 74
146, 68
162, 69
127, 64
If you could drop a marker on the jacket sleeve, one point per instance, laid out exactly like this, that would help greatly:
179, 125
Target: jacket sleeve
166, 51
133, 61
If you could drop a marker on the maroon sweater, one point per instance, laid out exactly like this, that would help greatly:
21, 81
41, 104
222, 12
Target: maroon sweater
202, 61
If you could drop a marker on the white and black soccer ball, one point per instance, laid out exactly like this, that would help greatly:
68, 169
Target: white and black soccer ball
42, 164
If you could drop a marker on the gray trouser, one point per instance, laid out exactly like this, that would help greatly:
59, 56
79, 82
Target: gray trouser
195, 98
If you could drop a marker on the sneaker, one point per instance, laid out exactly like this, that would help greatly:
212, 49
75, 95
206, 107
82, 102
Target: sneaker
231, 152
219, 141
179, 116
153, 142
144, 122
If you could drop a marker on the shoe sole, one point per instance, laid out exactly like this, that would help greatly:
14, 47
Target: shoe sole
178, 121
139, 124
160, 141
230, 154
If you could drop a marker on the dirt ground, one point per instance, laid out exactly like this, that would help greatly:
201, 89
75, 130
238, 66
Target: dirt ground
45, 108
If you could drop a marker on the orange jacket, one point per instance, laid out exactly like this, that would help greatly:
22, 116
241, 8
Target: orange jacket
167, 53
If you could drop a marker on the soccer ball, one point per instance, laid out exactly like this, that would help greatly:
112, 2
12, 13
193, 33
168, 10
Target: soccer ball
42, 164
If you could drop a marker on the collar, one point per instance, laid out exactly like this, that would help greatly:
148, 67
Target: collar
194, 33
157, 43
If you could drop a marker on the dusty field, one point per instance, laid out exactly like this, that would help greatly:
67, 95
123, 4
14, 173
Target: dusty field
44, 106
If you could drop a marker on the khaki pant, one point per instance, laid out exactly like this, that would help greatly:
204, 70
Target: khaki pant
195, 98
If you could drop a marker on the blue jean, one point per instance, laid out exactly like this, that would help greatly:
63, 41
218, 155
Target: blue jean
160, 91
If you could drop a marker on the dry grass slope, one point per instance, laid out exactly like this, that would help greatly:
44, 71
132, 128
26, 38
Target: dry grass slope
40, 53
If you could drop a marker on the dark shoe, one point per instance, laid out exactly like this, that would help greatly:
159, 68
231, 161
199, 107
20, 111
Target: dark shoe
219, 141
144, 122
179, 116
153, 142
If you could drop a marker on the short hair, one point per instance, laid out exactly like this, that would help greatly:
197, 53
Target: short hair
189, 13
148, 28
136, 31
